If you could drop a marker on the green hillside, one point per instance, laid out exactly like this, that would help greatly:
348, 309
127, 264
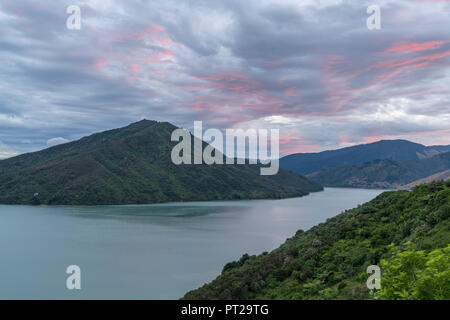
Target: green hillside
385, 173
329, 261
132, 165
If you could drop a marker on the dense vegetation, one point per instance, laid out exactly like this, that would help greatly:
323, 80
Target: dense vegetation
133, 165
416, 274
386, 173
329, 261
306, 163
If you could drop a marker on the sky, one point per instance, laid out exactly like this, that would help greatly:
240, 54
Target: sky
311, 68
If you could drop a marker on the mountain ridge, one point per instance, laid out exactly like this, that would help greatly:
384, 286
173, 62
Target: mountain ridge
307, 163
382, 173
132, 165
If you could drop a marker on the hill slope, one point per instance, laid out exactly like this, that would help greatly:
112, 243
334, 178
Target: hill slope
386, 173
329, 261
443, 175
133, 165
306, 163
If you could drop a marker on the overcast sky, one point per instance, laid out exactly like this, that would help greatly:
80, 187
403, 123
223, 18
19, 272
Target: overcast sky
310, 67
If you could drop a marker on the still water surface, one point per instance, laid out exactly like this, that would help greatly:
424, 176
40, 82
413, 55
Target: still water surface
156, 251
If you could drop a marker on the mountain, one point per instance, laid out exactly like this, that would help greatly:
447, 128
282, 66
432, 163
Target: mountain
329, 261
306, 163
444, 175
132, 165
385, 173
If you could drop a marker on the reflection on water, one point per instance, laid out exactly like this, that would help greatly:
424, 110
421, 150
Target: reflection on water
147, 251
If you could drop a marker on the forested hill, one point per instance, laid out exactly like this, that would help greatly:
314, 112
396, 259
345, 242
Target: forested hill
329, 261
132, 165
384, 173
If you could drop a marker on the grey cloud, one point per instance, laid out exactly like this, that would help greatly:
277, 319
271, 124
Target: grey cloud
315, 64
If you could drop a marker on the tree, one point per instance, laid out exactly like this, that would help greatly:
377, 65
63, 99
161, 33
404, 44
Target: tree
415, 275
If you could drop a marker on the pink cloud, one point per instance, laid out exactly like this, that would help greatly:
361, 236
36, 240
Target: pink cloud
370, 139
159, 56
151, 33
345, 139
239, 91
294, 144
338, 80
406, 47
99, 63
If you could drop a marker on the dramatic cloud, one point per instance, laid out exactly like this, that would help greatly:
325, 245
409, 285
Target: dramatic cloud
311, 68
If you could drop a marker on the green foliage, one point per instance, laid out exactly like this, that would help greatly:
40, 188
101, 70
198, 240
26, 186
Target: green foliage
415, 274
235, 264
132, 165
329, 261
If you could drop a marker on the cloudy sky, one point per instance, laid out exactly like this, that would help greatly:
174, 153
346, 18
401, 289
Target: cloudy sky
309, 67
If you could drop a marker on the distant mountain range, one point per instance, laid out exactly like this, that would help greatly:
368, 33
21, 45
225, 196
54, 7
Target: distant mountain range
307, 163
382, 164
383, 173
132, 165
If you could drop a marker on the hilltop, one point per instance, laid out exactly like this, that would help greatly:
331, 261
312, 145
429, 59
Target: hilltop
132, 165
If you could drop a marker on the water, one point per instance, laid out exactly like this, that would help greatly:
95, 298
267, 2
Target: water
147, 251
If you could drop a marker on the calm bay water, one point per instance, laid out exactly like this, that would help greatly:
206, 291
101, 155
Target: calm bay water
147, 251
